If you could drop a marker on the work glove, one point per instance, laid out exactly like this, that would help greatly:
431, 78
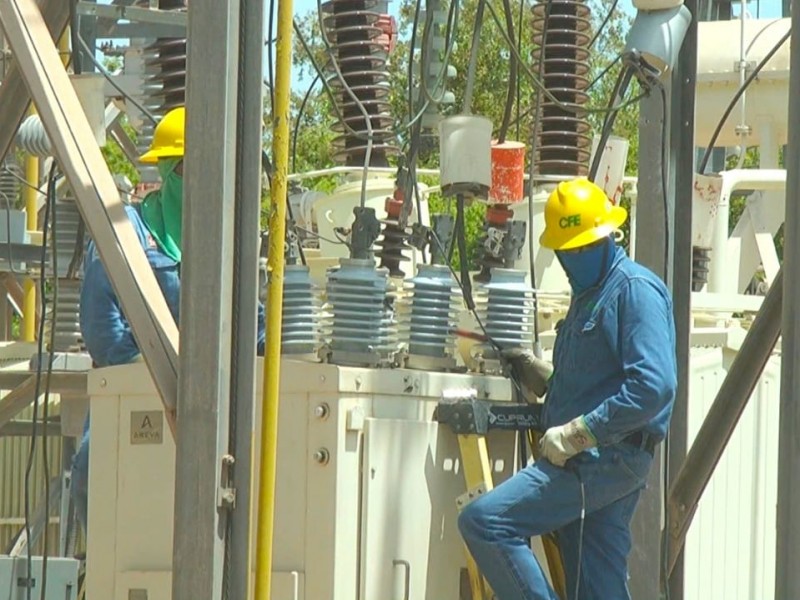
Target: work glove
533, 373
561, 443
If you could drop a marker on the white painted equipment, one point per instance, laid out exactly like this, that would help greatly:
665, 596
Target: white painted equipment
367, 484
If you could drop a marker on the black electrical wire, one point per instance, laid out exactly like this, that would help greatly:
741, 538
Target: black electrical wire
410, 71
620, 88
519, 79
77, 253
298, 119
461, 240
37, 390
270, 74
74, 30
603, 24
50, 355
466, 292
512, 75
605, 70
732, 104
114, 84
664, 179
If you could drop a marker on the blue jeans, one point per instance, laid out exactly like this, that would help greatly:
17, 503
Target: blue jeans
80, 477
543, 498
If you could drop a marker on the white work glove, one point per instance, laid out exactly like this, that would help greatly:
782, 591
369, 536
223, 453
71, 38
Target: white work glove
561, 443
533, 373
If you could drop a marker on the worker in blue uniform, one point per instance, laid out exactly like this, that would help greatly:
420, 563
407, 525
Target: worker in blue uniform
157, 223
608, 403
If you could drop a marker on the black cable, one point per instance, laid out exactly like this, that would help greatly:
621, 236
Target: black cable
620, 88
77, 253
519, 79
605, 70
512, 75
50, 355
461, 240
603, 24
665, 197
270, 74
74, 30
750, 79
37, 390
664, 179
298, 119
410, 71
116, 86
466, 292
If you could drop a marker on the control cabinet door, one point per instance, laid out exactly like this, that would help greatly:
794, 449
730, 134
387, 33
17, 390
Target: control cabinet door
410, 545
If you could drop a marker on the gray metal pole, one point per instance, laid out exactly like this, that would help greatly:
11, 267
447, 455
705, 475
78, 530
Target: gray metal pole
787, 577
683, 165
245, 289
202, 500
721, 420
644, 561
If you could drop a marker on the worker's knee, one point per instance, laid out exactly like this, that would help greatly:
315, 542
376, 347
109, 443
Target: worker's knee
475, 521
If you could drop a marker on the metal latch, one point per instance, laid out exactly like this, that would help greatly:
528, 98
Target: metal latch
226, 497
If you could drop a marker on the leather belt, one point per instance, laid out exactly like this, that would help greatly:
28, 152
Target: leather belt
643, 441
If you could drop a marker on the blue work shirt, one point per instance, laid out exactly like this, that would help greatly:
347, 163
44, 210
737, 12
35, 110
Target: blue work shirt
614, 357
106, 332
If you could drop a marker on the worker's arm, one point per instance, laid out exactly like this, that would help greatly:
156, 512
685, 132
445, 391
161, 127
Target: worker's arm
641, 329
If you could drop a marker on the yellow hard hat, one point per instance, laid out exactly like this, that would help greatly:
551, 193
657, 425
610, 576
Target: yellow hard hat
168, 137
578, 213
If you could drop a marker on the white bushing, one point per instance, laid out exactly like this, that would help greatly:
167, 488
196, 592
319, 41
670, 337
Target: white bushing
465, 155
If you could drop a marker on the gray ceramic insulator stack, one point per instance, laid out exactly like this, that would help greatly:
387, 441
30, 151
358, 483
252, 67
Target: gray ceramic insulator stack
67, 307
432, 317
362, 326
33, 139
300, 326
9, 184
509, 313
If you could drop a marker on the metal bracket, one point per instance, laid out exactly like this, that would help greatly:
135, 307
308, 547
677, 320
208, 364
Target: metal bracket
749, 65
366, 229
473, 416
226, 497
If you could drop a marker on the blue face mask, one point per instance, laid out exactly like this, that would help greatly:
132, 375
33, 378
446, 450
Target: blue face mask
588, 268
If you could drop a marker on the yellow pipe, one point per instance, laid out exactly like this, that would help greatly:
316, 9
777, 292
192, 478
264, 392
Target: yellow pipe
272, 360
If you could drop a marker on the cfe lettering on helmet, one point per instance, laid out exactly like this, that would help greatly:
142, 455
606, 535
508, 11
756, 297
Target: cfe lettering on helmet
569, 221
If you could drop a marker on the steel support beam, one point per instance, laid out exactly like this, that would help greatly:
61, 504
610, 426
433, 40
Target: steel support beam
682, 161
14, 96
663, 244
96, 194
787, 574
245, 288
644, 563
722, 417
202, 486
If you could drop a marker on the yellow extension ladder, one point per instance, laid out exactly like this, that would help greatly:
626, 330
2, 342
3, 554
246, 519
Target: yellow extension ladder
470, 420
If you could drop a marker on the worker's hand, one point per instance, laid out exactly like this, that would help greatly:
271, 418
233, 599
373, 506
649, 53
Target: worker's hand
561, 443
533, 373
